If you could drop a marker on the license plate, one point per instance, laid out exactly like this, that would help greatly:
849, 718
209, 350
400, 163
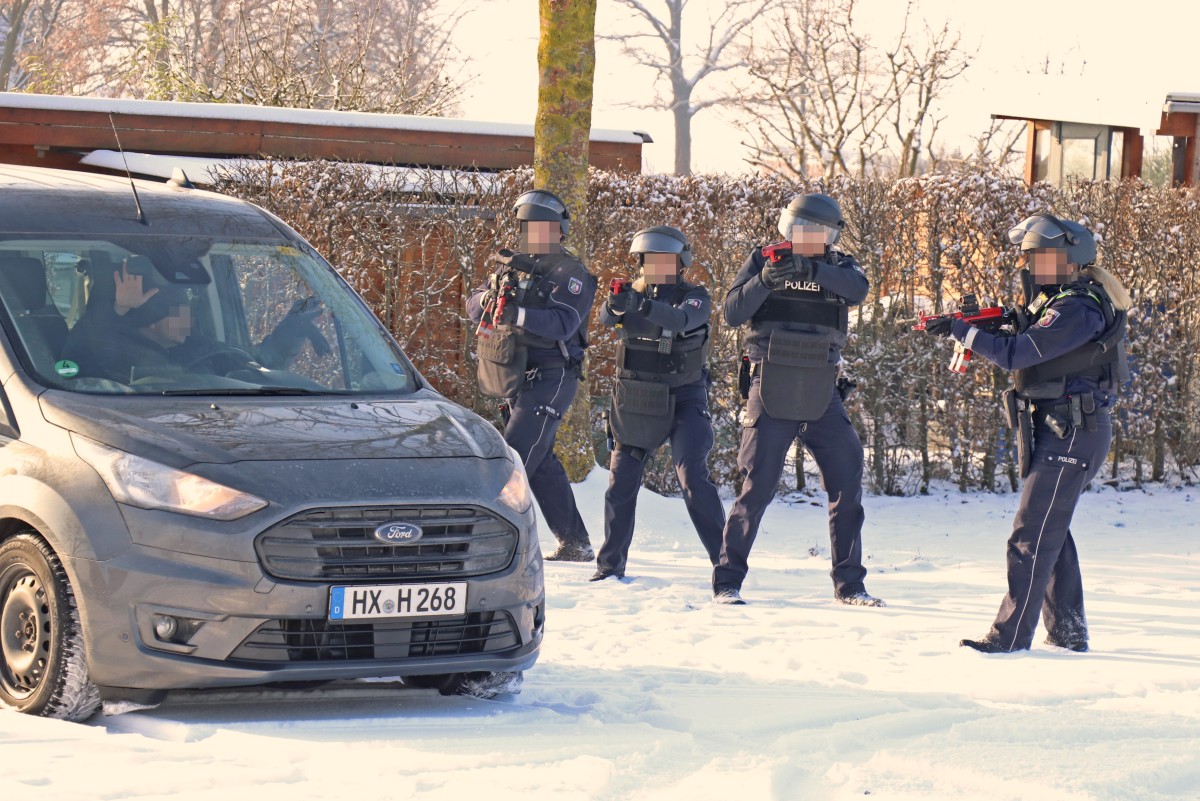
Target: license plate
397, 600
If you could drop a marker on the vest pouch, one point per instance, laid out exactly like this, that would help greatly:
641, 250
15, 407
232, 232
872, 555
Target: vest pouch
797, 378
502, 362
642, 413
1047, 389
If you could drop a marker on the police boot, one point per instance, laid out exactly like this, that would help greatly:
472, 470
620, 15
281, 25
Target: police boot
571, 552
860, 598
985, 646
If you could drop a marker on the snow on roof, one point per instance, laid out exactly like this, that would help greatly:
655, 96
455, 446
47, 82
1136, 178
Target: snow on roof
199, 169
1182, 102
202, 170
231, 111
1135, 104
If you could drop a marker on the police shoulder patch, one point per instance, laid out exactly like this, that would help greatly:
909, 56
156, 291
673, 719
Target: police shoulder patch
694, 302
1048, 318
574, 286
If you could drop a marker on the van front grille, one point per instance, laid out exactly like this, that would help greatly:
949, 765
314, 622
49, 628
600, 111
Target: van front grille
340, 544
288, 641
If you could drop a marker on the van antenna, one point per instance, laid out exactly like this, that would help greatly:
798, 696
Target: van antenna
136, 201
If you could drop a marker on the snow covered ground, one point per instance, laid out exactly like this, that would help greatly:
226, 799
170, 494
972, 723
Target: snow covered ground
646, 690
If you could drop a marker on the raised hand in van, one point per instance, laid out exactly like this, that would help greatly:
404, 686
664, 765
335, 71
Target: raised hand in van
284, 343
129, 294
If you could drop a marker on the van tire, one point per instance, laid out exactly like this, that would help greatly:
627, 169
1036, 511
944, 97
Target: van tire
478, 684
43, 667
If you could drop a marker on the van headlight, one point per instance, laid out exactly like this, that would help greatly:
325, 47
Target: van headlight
150, 485
516, 495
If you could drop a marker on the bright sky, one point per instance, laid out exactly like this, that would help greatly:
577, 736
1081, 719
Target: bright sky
1114, 50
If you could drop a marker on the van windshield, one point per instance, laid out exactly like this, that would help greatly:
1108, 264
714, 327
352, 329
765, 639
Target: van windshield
191, 315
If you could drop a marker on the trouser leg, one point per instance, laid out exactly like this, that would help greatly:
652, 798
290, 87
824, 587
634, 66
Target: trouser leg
691, 443
626, 469
765, 443
1061, 469
838, 453
536, 414
1062, 610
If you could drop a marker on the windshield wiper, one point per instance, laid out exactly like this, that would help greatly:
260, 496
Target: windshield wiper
249, 391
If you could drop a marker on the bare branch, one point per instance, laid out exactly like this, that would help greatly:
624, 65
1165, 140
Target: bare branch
846, 98
683, 72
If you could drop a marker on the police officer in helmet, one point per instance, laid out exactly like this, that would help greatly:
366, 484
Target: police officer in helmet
532, 320
1068, 359
660, 392
794, 297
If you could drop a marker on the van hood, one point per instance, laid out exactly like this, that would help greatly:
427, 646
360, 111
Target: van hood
181, 431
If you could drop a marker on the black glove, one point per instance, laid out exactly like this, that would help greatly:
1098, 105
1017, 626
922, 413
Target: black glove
282, 344
625, 301
774, 273
805, 267
939, 326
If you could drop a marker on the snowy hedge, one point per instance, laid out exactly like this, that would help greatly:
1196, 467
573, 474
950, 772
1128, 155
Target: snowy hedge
413, 242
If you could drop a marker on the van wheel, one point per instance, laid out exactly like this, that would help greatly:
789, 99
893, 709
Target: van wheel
43, 671
479, 684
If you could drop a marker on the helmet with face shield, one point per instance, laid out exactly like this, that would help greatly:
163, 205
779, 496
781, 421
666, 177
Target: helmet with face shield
662, 239
813, 209
1045, 231
544, 206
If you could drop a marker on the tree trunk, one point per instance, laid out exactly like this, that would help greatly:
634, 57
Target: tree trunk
562, 128
683, 136
9, 55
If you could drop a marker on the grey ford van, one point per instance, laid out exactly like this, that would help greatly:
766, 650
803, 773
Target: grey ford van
217, 468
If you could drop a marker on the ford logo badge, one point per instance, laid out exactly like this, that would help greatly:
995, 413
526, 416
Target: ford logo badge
398, 533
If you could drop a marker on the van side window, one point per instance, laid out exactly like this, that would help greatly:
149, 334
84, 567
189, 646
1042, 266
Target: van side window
40, 325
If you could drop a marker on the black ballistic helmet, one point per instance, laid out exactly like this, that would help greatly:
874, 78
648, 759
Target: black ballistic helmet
662, 239
1048, 231
539, 204
812, 208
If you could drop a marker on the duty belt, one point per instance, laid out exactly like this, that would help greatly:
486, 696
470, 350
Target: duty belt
549, 364
644, 361
1075, 411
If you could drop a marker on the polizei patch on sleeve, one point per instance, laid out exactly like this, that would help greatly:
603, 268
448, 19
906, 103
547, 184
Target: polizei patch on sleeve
574, 286
1048, 318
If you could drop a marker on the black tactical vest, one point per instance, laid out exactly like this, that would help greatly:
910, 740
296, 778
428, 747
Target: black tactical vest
647, 352
533, 292
1102, 360
803, 302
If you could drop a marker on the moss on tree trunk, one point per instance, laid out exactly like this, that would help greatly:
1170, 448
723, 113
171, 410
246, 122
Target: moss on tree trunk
567, 65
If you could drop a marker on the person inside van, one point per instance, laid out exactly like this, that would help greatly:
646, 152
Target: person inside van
147, 332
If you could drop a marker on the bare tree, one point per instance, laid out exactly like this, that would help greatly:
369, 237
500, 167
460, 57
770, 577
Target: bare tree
365, 55
368, 55
25, 26
681, 71
919, 74
823, 98
997, 149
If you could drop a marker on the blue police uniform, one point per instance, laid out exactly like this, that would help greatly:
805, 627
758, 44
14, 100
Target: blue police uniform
551, 316
664, 342
1072, 432
816, 305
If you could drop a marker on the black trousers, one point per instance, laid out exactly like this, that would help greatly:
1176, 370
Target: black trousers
534, 417
1043, 565
838, 452
691, 441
